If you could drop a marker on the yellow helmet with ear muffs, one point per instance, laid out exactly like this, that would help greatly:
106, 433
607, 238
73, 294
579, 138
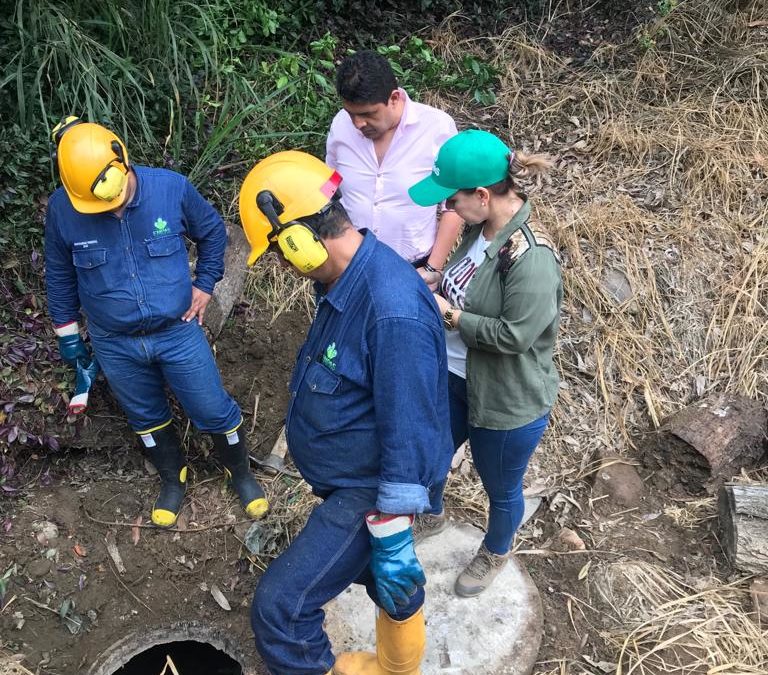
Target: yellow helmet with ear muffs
93, 164
277, 193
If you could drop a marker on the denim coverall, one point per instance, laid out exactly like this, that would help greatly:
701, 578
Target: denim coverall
368, 427
130, 277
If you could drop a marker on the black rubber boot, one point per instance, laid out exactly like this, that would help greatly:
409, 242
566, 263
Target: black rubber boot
164, 451
233, 454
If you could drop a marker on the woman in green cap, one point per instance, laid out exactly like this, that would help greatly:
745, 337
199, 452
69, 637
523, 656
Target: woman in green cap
500, 296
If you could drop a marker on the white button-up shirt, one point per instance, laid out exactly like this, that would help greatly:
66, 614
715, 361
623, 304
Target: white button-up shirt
376, 195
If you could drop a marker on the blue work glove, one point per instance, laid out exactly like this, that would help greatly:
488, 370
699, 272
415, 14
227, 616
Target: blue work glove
72, 348
84, 378
395, 568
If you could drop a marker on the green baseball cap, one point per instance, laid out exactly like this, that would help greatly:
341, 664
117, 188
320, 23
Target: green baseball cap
470, 159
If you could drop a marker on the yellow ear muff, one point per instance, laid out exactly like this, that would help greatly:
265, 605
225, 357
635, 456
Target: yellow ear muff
110, 184
301, 247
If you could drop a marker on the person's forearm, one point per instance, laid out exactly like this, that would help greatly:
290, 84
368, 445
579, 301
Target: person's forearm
447, 233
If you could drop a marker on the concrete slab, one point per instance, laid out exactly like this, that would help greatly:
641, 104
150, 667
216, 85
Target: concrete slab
497, 633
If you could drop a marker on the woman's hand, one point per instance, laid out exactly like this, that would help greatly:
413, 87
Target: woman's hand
442, 304
432, 279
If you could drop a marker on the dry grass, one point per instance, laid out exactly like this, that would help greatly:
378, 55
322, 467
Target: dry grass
670, 625
660, 204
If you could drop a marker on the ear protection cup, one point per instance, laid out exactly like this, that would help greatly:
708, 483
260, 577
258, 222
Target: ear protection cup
111, 181
109, 184
301, 246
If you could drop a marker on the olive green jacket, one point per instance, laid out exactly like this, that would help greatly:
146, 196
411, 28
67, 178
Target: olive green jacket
509, 323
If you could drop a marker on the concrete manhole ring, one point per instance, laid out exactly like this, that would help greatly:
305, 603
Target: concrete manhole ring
118, 654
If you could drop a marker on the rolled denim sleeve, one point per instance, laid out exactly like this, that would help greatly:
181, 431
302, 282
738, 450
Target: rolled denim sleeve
406, 356
60, 275
206, 228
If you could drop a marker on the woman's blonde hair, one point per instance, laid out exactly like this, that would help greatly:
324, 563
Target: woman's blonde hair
524, 165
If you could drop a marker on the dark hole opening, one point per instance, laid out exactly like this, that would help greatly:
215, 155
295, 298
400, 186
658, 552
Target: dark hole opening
189, 656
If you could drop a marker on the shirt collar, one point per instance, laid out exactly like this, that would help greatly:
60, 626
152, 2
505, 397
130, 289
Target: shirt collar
139, 182
411, 114
514, 224
342, 289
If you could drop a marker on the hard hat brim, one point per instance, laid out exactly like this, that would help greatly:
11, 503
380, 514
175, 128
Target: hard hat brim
256, 253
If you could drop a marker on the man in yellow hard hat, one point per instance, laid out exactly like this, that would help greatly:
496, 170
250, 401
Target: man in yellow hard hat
367, 425
114, 251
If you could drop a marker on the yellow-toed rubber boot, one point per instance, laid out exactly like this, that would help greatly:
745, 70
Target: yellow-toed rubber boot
233, 454
164, 451
399, 649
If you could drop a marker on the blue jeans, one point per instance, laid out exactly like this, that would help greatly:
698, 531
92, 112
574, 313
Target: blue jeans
329, 554
138, 367
501, 459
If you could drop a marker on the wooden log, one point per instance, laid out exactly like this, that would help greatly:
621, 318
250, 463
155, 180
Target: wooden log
228, 291
743, 510
707, 443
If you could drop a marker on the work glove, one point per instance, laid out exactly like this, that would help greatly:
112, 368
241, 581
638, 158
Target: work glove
74, 352
395, 568
85, 376
71, 346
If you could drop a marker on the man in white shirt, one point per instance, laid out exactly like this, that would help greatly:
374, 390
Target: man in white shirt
381, 143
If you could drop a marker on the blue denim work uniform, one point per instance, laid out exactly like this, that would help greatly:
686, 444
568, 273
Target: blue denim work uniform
130, 277
368, 428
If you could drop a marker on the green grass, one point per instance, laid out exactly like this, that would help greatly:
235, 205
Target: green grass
196, 86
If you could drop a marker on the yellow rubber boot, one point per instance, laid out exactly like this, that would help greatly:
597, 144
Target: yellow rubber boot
164, 451
233, 454
399, 649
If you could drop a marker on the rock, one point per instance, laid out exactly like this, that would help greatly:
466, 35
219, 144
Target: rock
617, 285
620, 481
46, 532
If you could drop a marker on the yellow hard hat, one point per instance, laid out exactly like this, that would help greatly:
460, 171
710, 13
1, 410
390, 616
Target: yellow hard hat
297, 185
93, 164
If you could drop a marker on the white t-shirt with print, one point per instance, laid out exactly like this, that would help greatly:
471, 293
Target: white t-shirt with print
454, 289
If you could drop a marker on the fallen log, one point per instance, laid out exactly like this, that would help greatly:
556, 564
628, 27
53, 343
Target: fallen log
743, 510
706, 444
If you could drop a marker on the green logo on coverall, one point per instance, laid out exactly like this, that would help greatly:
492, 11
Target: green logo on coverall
161, 227
329, 356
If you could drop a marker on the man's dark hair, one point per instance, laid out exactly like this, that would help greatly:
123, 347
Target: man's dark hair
365, 77
332, 222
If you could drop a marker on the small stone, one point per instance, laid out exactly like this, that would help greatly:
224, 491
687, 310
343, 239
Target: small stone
617, 285
620, 481
46, 532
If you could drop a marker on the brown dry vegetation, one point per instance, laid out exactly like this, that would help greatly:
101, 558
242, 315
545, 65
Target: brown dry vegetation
659, 206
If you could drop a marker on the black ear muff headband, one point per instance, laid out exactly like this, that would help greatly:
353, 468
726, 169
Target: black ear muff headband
62, 128
119, 158
271, 207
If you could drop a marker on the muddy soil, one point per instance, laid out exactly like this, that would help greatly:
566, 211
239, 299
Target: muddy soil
67, 598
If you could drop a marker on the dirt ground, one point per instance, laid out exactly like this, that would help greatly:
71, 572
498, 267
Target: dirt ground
67, 600
658, 204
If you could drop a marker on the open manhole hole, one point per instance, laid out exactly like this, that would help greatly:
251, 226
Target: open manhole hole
188, 657
192, 648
